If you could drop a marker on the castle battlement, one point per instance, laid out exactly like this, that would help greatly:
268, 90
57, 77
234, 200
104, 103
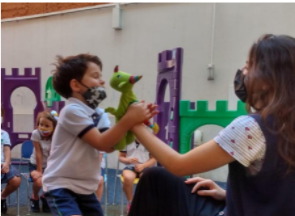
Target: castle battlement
27, 73
202, 110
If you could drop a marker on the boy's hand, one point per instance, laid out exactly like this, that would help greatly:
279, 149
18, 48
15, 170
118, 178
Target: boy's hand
4, 168
207, 187
139, 112
36, 174
133, 160
139, 167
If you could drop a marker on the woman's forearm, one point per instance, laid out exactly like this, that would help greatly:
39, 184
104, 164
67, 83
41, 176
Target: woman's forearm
124, 160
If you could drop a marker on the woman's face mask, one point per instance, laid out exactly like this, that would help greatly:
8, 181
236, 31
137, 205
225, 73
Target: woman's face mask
239, 86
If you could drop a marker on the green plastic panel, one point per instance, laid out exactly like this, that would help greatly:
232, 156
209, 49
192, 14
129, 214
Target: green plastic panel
190, 120
50, 94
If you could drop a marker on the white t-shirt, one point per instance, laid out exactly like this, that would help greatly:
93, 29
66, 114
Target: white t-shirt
73, 163
137, 150
45, 147
243, 139
5, 141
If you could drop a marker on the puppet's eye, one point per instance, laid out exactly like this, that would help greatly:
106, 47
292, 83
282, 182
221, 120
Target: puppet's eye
119, 76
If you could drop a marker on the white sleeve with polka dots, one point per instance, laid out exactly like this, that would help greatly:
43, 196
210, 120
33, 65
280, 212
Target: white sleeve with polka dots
243, 140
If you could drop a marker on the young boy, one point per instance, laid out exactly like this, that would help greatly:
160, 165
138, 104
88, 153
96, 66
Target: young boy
9, 174
137, 158
73, 168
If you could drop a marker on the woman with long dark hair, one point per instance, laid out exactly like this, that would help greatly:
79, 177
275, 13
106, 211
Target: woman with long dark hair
259, 148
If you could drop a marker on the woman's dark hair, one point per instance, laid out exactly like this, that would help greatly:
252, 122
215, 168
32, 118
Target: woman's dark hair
71, 67
272, 64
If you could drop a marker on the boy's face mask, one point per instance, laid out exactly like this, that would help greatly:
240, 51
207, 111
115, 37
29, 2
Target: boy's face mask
239, 86
94, 96
45, 131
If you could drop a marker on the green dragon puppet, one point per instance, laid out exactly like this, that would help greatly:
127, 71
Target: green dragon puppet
123, 82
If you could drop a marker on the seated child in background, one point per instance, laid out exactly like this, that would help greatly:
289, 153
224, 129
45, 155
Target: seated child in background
41, 137
9, 174
137, 158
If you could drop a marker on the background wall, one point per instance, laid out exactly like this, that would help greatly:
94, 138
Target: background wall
147, 30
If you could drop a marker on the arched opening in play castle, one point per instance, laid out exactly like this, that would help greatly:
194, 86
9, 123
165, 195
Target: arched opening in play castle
23, 102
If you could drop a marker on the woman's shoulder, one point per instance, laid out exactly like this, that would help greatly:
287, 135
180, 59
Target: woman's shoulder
245, 121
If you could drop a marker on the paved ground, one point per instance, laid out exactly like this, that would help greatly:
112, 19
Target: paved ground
113, 210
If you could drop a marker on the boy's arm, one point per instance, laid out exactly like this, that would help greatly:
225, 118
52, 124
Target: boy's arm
123, 159
107, 140
39, 155
151, 162
7, 156
6, 151
77, 122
